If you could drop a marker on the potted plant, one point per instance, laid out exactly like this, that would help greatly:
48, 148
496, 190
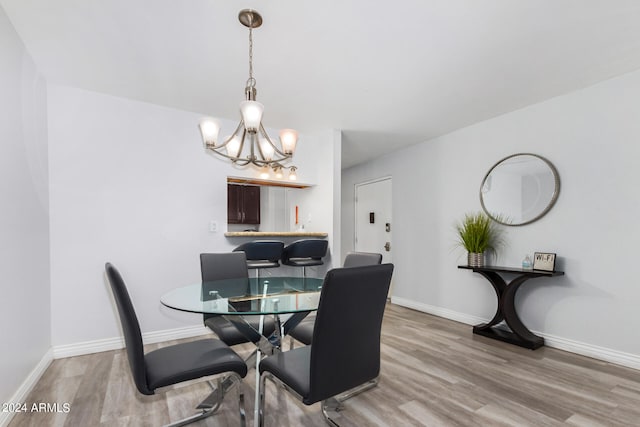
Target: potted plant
478, 234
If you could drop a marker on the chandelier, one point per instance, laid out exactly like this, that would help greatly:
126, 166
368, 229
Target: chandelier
250, 143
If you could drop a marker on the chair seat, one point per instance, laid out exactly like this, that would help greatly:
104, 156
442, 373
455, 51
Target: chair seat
262, 263
230, 335
303, 331
191, 360
262, 251
293, 368
302, 262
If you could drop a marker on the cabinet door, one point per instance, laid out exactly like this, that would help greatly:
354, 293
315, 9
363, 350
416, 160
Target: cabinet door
251, 204
234, 204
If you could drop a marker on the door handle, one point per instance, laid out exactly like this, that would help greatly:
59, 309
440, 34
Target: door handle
387, 246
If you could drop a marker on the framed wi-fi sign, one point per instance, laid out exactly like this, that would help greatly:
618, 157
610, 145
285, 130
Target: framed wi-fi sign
544, 261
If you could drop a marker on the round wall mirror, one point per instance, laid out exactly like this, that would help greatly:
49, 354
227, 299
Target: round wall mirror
519, 189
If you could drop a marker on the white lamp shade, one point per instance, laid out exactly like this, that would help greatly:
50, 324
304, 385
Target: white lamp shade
292, 174
233, 146
266, 148
209, 128
288, 139
251, 114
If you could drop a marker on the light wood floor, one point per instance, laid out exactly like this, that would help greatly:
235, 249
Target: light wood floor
435, 372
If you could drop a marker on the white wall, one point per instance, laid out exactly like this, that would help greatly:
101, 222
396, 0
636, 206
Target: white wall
131, 184
320, 205
592, 137
24, 225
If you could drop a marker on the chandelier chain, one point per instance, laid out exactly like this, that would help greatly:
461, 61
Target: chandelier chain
251, 82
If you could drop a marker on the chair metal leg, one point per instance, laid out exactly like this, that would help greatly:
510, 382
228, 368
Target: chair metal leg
192, 419
211, 403
333, 405
357, 390
214, 400
262, 393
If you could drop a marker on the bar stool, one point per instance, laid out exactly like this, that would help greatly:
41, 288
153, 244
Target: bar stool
305, 253
262, 254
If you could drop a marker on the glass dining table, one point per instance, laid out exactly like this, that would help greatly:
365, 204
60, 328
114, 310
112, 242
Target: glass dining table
237, 299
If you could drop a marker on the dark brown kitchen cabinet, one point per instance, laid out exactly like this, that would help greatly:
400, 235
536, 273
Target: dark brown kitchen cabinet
243, 204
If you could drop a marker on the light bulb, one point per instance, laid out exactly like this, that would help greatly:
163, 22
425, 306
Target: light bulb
233, 146
292, 174
265, 173
209, 129
288, 139
266, 148
251, 114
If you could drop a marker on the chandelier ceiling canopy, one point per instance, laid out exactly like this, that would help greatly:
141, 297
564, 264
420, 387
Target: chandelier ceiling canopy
250, 144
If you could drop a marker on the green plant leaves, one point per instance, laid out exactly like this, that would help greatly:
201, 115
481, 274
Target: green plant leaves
478, 233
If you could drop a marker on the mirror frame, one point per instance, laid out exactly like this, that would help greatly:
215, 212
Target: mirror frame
554, 197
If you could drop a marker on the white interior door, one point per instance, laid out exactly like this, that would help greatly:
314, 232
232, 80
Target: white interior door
373, 218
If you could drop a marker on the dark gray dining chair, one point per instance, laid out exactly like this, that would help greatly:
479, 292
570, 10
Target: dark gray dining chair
232, 265
176, 363
345, 354
303, 332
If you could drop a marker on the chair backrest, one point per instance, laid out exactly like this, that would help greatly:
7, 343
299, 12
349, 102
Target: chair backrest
222, 266
130, 328
227, 265
262, 250
359, 259
309, 248
346, 337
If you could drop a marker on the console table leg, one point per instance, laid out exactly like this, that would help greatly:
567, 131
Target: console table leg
529, 339
499, 285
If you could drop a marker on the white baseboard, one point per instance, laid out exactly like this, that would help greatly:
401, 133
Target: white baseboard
601, 353
27, 385
438, 311
116, 343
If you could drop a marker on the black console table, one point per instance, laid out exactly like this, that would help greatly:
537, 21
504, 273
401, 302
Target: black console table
506, 293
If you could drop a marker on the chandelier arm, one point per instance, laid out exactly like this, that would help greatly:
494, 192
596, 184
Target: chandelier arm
256, 161
252, 154
277, 150
244, 135
241, 162
235, 132
233, 159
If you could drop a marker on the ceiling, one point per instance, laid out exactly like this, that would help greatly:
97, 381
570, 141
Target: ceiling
388, 74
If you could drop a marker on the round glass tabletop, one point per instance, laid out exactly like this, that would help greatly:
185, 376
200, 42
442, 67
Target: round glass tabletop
269, 295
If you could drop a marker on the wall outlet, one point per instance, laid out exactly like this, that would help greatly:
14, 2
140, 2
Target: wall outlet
213, 226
